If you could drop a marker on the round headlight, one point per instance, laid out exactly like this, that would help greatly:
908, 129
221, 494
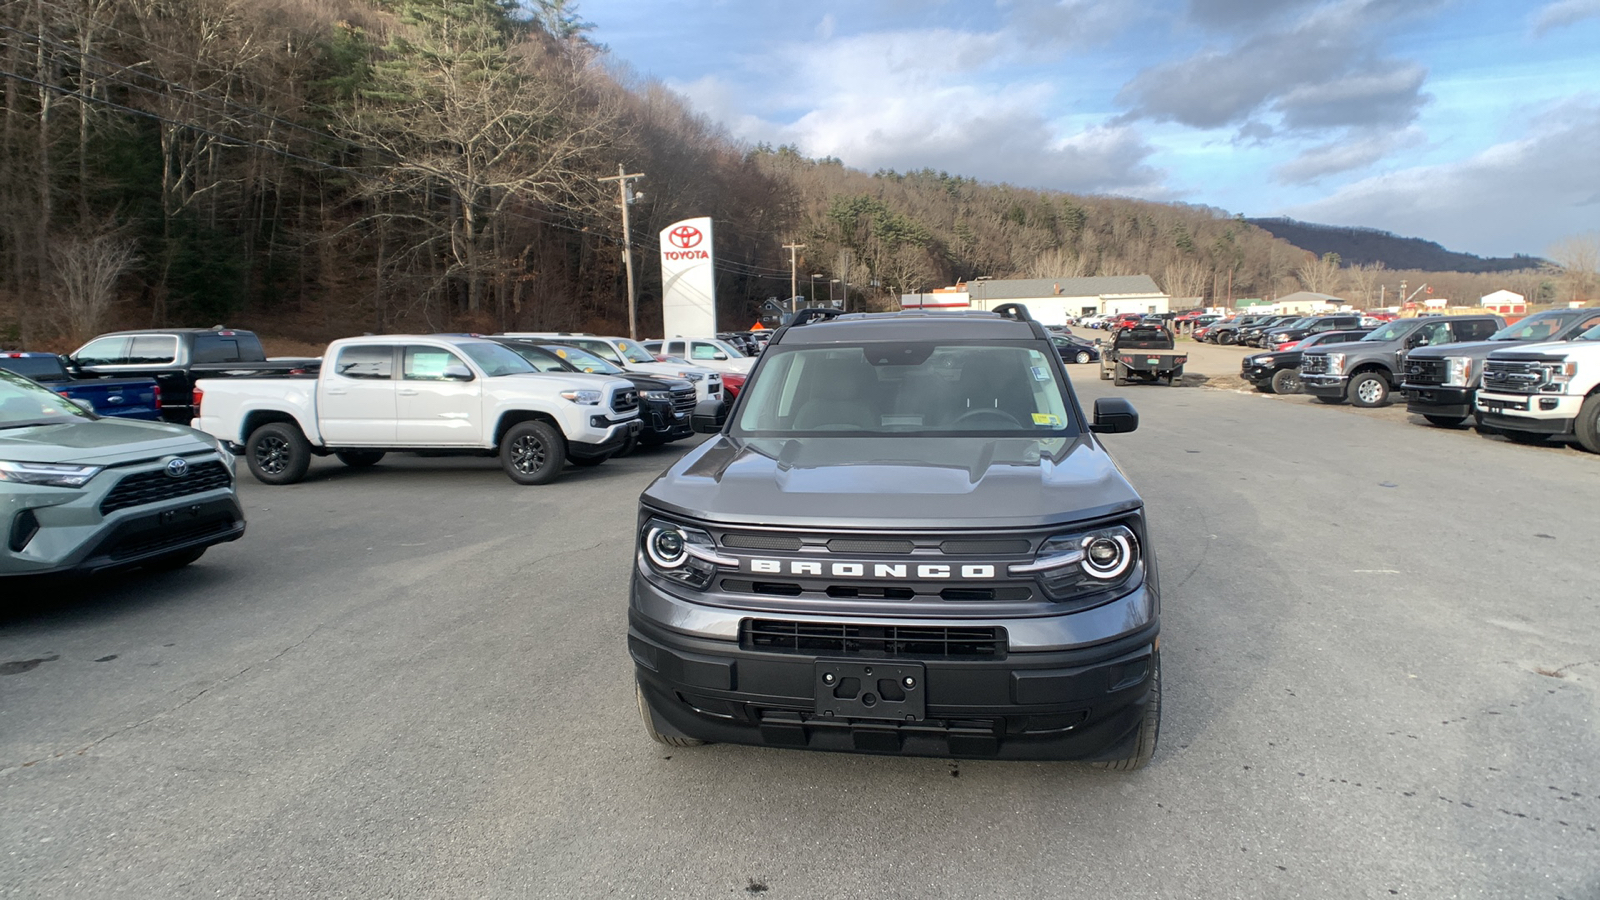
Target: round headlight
1107, 556
665, 546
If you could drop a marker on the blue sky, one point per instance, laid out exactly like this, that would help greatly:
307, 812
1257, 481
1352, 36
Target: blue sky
1474, 123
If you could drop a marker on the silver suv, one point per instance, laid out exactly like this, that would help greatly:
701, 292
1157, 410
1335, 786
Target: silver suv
80, 493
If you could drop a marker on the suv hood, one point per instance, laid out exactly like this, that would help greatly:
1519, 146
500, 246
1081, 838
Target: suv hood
99, 441
894, 482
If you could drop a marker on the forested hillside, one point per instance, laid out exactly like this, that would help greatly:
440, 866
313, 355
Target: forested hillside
1364, 246
313, 168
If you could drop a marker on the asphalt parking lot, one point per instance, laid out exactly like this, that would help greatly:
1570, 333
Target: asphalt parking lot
1381, 642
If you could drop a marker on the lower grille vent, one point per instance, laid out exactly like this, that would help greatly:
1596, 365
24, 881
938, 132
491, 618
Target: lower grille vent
876, 641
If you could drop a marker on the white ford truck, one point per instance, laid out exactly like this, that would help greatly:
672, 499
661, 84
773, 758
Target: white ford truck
1532, 392
428, 393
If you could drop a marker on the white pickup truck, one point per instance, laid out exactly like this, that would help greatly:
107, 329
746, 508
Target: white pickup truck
1531, 392
420, 393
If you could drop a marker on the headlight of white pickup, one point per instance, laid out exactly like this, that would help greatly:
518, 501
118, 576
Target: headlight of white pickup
47, 474
1458, 371
1562, 373
583, 398
692, 376
1335, 363
656, 395
682, 554
1071, 566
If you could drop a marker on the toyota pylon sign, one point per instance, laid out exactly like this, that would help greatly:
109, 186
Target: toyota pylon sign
689, 283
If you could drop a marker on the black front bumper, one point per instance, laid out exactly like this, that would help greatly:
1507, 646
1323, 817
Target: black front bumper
142, 538
663, 423
1504, 422
1437, 400
1259, 375
1070, 704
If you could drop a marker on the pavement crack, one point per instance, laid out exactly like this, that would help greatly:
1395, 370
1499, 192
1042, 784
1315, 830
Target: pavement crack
79, 751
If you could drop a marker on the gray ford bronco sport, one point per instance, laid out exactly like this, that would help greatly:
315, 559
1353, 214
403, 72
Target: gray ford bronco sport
906, 538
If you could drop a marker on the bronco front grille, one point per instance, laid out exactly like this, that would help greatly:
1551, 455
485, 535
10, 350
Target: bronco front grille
876, 641
154, 487
1425, 371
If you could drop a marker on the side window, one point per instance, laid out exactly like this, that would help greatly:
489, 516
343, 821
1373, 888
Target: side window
108, 351
601, 349
369, 362
213, 348
1477, 330
153, 350
1432, 334
428, 364
1588, 324
704, 351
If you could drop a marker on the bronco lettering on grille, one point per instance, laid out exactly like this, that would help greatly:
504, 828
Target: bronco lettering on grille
924, 571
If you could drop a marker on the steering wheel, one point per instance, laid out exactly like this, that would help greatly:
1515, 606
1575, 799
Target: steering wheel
1000, 417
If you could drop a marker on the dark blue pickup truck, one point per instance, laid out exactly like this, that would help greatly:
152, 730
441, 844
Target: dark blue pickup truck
128, 398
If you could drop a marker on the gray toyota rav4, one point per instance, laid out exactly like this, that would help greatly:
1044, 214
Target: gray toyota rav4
905, 538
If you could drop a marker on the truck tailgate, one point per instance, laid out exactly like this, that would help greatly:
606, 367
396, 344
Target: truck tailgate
127, 398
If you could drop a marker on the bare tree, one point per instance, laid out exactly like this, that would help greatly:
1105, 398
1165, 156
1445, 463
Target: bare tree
1365, 279
1322, 275
86, 271
1057, 262
1577, 263
1186, 279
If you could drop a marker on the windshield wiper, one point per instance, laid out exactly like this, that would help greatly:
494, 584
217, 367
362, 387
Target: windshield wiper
33, 423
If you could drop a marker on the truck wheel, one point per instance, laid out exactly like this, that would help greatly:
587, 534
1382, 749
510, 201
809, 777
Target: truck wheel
278, 453
1369, 390
1524, 437
1149, 733
1445, 421
533, 452
1286, 381
1176, 378
1587, 426
1105, 370
1120, 380
1225, 338
661, 733
1082, 357
359, 459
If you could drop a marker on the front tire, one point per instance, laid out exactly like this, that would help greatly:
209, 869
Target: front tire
659, 732
1369, 390
359, 459
1286, 381
1225, 338
533, 452
1587, 425
278, 453
1149, 734
1082, 357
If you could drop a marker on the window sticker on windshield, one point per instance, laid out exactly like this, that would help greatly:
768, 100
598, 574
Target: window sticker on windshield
1039, 374
561, 353
1047, 420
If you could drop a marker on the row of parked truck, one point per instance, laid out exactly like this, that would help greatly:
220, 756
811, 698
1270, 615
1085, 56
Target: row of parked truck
1529, 380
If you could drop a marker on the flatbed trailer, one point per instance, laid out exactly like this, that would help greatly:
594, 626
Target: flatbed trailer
1143, 353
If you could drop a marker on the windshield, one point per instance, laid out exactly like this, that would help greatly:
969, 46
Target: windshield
39, 368
1391, 331
953, 389
540, 358
732, 351
1301, 323
495, 359
24, 403
1592, 334
584, 361
1533, 328
634, 353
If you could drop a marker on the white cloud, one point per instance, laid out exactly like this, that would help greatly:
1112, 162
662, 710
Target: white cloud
826, 26
1561, 13
929, 98
1345, 154
1520, 195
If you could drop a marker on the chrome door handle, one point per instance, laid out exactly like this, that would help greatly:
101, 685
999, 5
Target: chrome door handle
337, 393
407, 393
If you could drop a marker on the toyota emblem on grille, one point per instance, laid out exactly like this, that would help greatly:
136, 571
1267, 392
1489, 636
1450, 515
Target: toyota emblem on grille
177, 468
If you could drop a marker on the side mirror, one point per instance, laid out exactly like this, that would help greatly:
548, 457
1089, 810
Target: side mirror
457, 373
1114, 415
719, 355
709, 415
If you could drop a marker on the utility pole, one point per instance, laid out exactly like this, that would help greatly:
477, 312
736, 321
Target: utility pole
794, 278
626, 196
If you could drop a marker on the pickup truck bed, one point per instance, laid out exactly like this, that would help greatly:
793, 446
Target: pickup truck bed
125, 398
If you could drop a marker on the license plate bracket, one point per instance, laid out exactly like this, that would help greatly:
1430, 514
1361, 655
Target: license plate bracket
855, 689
